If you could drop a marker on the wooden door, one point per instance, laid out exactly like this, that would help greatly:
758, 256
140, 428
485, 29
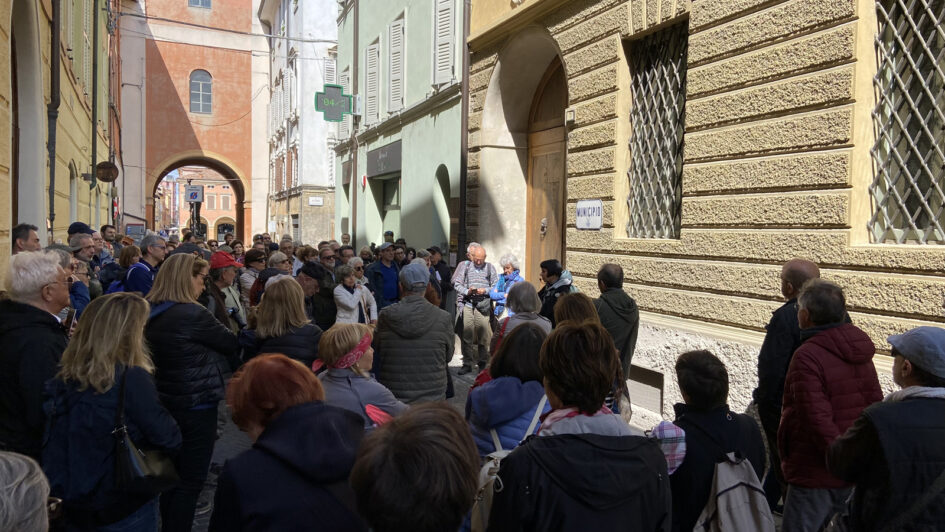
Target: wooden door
545, 210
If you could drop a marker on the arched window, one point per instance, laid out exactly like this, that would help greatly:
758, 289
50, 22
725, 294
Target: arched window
201, 92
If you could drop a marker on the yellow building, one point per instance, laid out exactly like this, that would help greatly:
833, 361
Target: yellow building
717, 140
26, 59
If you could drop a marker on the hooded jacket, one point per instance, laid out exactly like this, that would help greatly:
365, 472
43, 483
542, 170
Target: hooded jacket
829, 382
549, 295
191, 351
583, 481
506, 405
414, 342
307, 454
32, 343
500, 291
620, 316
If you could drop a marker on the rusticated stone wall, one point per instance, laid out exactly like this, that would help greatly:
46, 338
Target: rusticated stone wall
776, 164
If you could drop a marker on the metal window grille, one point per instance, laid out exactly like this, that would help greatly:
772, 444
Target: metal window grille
909, 123
657, 120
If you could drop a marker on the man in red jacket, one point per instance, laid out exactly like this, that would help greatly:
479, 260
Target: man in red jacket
830, 380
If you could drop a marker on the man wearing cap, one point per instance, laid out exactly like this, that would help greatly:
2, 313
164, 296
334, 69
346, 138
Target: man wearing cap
894, 451
382, 276
414, 342
76, 228
389, 236
311, 278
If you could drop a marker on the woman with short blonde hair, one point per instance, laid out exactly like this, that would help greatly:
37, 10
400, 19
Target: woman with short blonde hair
100, 370
282, 325
345, 350
192, 351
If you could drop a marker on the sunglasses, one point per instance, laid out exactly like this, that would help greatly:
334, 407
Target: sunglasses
359, 268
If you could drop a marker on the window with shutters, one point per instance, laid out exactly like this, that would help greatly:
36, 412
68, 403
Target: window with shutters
211, 202
330, 76
201, 92
395, 66
443, 37
295, 167
293, 90
657, 120
344, 127
199, 3
908, 188
68, 28
225, 202
372, 83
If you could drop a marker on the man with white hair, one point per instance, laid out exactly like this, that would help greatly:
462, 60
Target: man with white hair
473, 280
33, 340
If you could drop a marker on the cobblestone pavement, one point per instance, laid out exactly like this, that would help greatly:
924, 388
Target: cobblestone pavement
233, 442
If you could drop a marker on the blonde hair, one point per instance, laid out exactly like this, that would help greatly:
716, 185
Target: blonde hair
174, 281
339, 340
281, 308
95, 349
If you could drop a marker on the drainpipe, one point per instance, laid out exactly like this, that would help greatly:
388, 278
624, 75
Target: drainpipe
355, 179
52, 111
95, 36
464, 139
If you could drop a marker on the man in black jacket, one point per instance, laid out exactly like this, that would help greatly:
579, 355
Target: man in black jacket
448, 295
618, 313
782, 338
33, 340
894, 452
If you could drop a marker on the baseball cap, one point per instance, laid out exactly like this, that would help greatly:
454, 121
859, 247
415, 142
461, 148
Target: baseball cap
384, 246
415, 275
80, 227
924, 347
222, 259
391, 233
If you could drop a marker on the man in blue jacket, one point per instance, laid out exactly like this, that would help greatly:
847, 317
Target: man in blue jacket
141, 275
383, 277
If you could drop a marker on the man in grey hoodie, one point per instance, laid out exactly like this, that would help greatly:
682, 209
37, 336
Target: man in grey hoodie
618, 313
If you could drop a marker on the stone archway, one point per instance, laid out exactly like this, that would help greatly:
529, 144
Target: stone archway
521, 68
236, 179
29, 136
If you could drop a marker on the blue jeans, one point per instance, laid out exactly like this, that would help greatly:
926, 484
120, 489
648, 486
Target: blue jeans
199, 431
145, 519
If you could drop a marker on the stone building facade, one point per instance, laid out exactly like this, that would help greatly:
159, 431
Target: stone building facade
783, 106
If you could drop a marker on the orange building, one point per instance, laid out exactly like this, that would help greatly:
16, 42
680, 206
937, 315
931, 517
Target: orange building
218, 211
192, 89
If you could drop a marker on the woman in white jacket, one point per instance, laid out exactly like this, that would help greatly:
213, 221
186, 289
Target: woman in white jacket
354, 301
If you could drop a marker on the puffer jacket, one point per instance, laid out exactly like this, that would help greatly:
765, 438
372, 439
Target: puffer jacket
830, 380
300, 343
549, 294
500, 291
191, 351
506, 405
414, 342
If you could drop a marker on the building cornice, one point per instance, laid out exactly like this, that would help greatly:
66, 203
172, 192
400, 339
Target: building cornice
516, 19
395, 121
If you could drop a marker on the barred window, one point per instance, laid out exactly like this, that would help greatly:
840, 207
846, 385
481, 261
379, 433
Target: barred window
657, 121
908, 188
199, 3
201, 92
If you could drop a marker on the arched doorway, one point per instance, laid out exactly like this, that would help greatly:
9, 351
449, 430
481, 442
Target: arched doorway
28, 120
224, 195
222, 227
545, 207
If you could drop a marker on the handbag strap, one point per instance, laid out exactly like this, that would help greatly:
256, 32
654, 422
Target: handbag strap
120, 411
918, 506
528, 431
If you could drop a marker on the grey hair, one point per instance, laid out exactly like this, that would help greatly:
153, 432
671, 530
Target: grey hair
23, 494
277, 278
355, 261
31, 271
148, 241
76, 239
345, 270
276, 258
472, 246
422, 253
509, 259
419, 260
522, 297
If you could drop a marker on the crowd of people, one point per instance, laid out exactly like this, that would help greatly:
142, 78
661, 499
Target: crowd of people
335, 363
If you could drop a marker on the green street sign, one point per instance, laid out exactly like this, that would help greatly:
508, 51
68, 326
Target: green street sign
333, 103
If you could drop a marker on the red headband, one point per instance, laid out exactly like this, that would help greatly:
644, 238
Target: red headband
351, 357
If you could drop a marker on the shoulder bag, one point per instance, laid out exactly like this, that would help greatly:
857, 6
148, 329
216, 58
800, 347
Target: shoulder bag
139, 471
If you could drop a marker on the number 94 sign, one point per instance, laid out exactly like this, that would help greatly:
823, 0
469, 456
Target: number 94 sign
333, 103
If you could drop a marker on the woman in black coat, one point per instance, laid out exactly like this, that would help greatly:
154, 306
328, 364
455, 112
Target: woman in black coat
282, 326
305, 447
191, 351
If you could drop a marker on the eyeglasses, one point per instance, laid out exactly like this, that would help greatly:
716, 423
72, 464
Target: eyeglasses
328, 257
359, 268
201, 275
67, 282
285, 261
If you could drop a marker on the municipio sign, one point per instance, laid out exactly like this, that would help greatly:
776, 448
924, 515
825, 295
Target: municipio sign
590, 215
194, 193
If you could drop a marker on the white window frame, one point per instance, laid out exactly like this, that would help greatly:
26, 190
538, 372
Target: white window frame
372, 83
444, 39
396, 46
205, 88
